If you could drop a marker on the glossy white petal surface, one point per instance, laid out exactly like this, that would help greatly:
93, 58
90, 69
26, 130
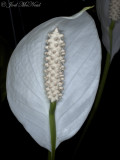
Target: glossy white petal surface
103, 14
25, 83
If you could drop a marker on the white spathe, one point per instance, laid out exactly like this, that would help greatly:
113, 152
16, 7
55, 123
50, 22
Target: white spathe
25, 78
103, 7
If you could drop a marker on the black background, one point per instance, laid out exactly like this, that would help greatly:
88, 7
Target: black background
101, 139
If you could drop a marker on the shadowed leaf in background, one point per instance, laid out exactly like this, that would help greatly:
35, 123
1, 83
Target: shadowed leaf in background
5, 52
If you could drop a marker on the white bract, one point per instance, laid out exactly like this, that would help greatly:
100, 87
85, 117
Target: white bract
25, 78
108, 10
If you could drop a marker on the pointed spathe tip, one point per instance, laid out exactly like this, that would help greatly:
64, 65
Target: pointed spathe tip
80, 13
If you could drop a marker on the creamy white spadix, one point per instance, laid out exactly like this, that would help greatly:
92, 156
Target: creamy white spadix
26, 90
54, 65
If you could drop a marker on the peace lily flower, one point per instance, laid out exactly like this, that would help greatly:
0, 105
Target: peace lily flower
28, 72
109, 10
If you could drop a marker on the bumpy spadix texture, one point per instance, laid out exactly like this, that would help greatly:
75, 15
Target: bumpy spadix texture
114, 10
54, 65
25, 78
108, 10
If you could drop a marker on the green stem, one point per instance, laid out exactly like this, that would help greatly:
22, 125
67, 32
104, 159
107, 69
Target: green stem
96, 102
51, 156
102, 83
111, 27
100, 88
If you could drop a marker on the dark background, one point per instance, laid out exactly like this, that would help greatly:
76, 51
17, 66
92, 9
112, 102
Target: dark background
101, 139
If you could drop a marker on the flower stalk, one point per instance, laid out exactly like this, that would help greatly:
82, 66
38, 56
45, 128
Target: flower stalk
51, 156
96, 102
106, 68
101, 85
111, 27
